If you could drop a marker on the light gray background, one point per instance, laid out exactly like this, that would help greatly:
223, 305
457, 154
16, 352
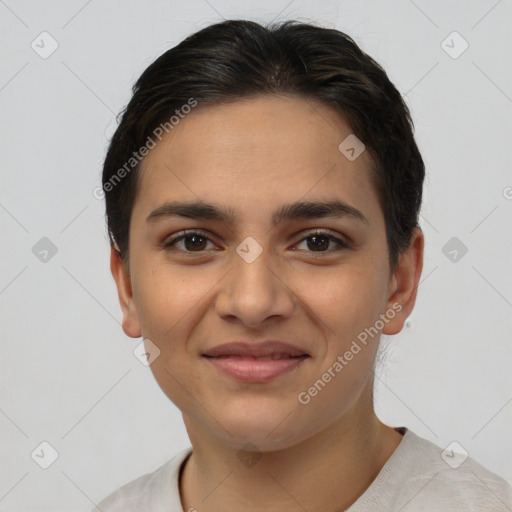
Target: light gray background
67, 372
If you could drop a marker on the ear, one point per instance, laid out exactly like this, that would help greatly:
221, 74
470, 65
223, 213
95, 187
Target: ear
131, 323
403, 285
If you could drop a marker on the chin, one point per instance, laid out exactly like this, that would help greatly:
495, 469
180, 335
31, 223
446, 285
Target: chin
267, 432
259, 442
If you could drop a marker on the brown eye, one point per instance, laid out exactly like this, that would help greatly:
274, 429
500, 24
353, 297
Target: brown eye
196, 241
319, 241
193, 241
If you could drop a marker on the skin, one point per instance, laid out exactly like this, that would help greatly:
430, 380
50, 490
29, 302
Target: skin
253, 156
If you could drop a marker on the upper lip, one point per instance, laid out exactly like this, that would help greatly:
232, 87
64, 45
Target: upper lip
255, 349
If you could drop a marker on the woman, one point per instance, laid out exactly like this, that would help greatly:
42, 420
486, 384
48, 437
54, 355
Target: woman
262, 192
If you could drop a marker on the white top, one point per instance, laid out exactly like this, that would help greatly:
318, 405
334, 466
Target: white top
418, 477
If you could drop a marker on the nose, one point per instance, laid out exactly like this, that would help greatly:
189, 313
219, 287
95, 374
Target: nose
253, 292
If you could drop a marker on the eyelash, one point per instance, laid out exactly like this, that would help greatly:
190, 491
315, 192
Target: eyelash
185, 234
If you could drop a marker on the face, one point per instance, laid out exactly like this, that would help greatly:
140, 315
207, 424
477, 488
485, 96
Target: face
317, 282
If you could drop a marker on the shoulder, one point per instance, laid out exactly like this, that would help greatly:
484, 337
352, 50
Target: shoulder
421, 476
149, 491
458, 480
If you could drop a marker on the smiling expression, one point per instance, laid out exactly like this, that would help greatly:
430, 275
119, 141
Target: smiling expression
265, 172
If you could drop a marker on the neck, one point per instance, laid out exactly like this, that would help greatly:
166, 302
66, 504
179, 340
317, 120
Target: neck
327, 471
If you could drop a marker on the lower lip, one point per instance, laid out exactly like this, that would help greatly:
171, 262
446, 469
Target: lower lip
252, 370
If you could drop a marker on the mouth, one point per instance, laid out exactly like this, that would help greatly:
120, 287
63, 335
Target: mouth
272, 357
256, 369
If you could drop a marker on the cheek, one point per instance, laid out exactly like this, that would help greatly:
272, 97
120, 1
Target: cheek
165, 296
345, 299
170, 304
348, 305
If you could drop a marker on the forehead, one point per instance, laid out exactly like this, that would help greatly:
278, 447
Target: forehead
261, 151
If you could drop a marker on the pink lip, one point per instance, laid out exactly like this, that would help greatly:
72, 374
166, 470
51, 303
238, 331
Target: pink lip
249, 369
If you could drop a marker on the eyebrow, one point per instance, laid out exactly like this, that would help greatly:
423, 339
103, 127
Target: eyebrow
201, 210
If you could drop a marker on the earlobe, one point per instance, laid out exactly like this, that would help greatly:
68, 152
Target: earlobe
405, 283
131, 323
